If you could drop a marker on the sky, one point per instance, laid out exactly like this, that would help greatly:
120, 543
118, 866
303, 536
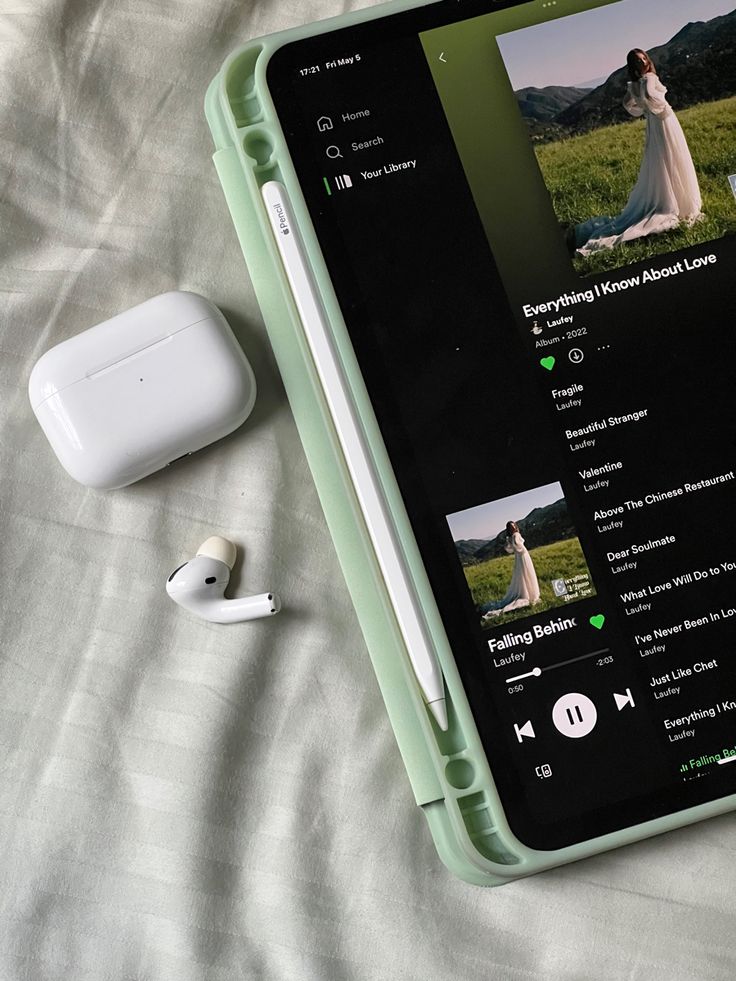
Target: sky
487, 520
591, 45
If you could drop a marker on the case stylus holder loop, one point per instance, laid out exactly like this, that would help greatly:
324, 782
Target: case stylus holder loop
449, 772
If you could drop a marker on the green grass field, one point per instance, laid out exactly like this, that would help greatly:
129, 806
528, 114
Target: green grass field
489, 581
593, 175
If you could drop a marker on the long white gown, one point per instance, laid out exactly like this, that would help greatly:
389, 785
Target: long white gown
524, 586
667, 193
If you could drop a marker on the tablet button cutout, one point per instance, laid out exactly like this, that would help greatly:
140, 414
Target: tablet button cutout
460, 774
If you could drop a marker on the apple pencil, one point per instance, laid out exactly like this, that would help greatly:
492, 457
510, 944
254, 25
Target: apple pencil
353, 442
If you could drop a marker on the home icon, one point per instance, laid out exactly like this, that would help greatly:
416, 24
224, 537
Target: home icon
324, 124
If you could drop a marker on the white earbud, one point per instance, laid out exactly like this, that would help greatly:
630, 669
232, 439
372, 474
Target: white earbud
199, 586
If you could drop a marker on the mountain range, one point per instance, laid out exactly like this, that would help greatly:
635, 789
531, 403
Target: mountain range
697, 65
542, 526
546, 104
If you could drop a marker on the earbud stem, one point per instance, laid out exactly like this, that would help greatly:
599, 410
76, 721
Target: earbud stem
244, 608
199, 586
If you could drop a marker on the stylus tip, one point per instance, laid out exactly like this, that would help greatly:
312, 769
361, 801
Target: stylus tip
439, 711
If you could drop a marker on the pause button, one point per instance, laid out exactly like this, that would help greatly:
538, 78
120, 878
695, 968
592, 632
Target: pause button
574, 715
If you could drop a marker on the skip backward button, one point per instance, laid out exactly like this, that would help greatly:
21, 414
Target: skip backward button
525, 732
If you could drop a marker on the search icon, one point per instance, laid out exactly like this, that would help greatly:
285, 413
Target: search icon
333, 152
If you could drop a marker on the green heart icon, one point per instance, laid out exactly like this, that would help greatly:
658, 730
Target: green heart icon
598, 621
548, 363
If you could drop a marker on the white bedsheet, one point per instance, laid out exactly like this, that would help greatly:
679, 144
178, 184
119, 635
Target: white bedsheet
184, 801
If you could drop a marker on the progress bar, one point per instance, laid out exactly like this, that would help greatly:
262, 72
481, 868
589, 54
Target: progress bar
534, 673
727, 759
537, 672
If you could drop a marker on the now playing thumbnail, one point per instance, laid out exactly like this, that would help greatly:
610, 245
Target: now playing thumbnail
521, 555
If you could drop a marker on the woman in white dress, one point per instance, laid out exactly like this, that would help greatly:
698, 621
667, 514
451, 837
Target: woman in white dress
667, 193
524, 587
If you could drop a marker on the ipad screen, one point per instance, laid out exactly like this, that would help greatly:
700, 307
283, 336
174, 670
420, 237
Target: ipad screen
528, 211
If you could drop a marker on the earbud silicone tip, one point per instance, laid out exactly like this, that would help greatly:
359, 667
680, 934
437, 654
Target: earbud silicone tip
220, 549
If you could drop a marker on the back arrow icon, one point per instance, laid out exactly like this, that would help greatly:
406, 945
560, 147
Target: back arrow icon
443, 59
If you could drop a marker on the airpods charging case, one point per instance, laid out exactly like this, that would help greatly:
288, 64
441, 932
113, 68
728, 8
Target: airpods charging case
131, 395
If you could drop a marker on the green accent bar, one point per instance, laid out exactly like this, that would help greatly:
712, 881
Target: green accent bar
327, 185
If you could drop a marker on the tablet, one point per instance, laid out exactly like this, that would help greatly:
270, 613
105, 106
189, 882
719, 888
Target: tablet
519, 220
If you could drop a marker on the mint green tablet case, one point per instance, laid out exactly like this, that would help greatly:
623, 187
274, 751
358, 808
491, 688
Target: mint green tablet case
449, 773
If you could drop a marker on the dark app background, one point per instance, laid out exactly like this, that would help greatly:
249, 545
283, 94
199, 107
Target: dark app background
467, 416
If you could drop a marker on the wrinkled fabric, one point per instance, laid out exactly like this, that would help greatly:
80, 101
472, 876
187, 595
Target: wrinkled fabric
182, 801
